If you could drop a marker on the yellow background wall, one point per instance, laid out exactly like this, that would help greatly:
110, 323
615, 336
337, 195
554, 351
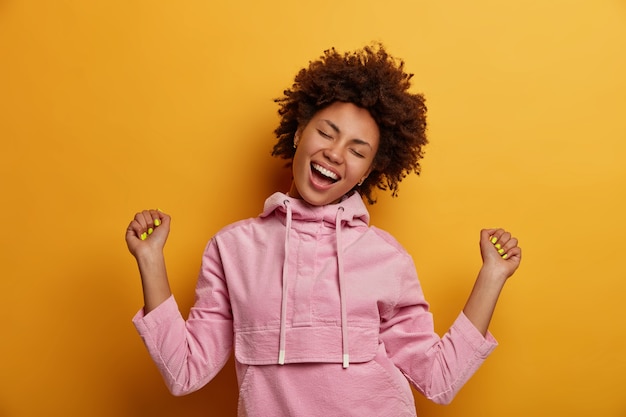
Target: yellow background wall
110, 107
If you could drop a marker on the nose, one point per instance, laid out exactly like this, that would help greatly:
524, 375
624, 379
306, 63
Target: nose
334, 153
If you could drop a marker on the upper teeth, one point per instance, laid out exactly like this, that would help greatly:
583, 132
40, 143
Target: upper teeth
325, 172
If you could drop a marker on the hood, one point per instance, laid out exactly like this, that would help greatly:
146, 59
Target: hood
354, 211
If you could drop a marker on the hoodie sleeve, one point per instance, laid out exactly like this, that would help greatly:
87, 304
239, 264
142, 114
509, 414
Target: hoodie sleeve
438, 367
190, 353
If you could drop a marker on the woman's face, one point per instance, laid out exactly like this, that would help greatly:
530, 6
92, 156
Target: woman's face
335, 152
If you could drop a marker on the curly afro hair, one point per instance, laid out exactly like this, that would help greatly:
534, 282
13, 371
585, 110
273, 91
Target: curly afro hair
374, 80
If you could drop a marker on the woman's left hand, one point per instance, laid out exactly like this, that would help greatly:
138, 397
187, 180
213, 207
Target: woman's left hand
500, 253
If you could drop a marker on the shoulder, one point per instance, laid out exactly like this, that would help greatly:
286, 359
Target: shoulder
255, 228
238, 226
243, 237
387, 239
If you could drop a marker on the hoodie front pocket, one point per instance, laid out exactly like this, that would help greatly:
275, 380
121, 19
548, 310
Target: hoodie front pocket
306, 345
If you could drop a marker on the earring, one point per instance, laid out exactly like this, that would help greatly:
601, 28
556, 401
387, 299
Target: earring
360, 183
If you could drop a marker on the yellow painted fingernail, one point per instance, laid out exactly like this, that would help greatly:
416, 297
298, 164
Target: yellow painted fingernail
498, 246
157, 222
150, 230
500, 251
506, 255
143, 236
494, 240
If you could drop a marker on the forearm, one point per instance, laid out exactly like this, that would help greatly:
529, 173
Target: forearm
501, 258
146, 236
482, 301
156, 288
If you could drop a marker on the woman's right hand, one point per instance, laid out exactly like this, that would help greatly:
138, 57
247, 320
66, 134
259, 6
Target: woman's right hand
147, 232
146, 236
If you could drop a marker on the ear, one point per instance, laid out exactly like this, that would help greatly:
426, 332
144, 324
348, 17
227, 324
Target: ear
296, 138
364, 177
362, 181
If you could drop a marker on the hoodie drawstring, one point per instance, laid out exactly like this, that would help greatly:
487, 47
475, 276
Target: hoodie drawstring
283, 306
342, 291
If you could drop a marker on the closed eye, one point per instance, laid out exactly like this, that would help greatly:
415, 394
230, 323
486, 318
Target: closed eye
357, 153
324, 134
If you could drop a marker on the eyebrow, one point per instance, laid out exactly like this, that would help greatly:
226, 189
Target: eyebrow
337, 130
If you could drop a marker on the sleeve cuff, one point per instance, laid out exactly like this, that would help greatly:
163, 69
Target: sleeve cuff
484, 345
162, 313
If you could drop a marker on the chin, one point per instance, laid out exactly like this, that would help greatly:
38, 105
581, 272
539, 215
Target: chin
317, 197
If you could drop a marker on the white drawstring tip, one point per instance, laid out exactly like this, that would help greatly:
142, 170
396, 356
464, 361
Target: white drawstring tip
346, 360
281, 357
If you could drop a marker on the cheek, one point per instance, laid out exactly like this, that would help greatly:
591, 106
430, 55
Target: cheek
298, 164
369, 166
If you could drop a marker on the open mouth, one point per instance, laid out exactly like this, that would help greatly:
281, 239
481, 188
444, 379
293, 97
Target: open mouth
324, 175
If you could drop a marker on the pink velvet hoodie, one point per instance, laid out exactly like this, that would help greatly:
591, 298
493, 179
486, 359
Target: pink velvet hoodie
325, 313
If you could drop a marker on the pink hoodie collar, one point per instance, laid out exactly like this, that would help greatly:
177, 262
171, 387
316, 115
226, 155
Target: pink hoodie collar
354, 211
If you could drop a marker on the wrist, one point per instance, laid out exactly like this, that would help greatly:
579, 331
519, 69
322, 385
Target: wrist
148, 260
148, 254
492, 276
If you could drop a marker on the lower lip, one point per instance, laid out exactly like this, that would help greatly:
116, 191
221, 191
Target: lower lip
318, 186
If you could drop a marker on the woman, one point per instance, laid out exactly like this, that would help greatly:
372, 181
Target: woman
325, 313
